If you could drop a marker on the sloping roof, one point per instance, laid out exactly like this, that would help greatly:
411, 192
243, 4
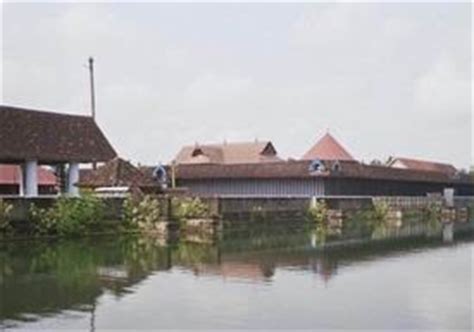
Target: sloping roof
301, 169
228, 153
11, 175
115, 173
50, 137
424, 165
327, 148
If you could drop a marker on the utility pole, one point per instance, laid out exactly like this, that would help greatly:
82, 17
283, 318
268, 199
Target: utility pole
91, 76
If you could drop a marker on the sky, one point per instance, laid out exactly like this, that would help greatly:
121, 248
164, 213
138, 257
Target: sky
385, 79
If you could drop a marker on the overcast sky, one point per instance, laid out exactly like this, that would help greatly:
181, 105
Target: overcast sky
387, 79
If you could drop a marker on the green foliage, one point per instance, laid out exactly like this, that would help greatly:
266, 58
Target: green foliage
432, 217
185, 208
432, 214
68, 216
142, 212
5, 213
318, 213
380, 212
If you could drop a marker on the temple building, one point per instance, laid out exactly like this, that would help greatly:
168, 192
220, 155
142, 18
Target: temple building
30, 138
326, 170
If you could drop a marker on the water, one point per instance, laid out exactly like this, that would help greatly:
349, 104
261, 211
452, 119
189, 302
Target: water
278, 279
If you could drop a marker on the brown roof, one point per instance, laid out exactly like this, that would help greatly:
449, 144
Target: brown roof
50, 137
301, 169
11, 175
424, 165
327, 148
115, 173
228, 153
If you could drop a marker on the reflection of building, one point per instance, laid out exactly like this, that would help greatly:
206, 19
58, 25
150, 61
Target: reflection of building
327, 169
237, 270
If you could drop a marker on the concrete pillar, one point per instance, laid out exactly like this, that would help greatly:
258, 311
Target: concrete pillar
30, 178
21, 181
73, 179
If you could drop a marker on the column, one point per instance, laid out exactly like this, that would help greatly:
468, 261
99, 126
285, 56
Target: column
73, 179
30, 178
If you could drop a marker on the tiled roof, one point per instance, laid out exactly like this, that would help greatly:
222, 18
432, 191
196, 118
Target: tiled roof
327, 148
301, 169
115, 173
424, 165
50, 137
228, 153
11, 175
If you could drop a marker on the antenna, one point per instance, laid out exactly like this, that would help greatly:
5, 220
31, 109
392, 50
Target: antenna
91, 76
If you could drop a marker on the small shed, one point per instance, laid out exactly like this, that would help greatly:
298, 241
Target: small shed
119, 175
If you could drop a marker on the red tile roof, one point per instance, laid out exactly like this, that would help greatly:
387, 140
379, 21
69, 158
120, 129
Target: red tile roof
424, 165
327, 148
11, 175
228, 153
116, 173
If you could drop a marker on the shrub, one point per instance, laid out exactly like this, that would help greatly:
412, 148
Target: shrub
318, 213
68, 216
141, 213
5, 213
380, 211
188, 208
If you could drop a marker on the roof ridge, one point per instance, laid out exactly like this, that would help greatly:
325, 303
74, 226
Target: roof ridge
23, 109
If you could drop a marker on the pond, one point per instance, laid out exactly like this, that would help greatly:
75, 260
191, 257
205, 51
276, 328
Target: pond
273, 277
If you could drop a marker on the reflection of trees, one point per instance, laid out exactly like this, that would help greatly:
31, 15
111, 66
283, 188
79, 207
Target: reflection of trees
41, 278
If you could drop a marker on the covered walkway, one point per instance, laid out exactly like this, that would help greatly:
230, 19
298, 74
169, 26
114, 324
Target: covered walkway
30, 138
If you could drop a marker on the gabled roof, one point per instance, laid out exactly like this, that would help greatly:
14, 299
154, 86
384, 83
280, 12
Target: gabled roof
422, 165
11, 175
50, 137
115, 173
228, 153
327, 148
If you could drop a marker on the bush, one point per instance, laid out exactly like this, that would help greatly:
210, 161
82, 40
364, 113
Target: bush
141, 213
380, 211
318, 213
188, 208
432, 217
68, 216
5, 213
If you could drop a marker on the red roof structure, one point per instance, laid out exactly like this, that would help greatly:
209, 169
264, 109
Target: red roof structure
327, 148
422, 165
118, 173
11, 175
228, 153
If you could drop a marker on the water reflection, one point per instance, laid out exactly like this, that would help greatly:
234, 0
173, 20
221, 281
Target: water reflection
42, 279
